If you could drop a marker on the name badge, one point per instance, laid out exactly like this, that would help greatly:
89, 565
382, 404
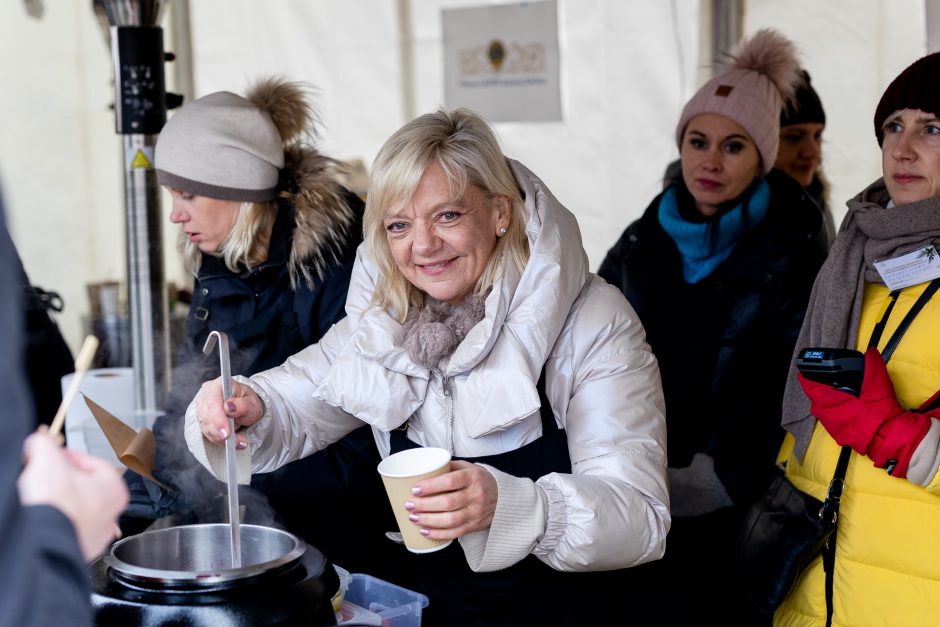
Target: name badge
915, 267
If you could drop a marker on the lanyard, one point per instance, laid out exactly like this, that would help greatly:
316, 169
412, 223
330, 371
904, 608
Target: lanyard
905, 323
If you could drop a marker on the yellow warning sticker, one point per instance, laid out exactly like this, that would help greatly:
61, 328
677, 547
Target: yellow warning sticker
141, 161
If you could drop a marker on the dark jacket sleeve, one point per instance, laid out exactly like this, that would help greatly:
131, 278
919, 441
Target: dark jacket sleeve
46, 581
619, 265
612, 268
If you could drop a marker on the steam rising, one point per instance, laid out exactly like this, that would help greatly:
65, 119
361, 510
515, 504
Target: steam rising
200, 497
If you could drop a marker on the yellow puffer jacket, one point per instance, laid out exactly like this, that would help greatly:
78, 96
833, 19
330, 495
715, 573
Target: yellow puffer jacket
887, 568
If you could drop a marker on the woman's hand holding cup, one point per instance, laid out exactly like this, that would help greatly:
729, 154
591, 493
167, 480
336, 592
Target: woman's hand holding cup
461, 501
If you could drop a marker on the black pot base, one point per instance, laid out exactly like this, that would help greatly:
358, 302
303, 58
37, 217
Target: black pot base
299, 593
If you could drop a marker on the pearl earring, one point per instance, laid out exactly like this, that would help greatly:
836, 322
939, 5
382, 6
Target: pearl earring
502, 231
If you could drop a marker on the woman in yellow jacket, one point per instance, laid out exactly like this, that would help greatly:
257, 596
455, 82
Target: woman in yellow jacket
887, 556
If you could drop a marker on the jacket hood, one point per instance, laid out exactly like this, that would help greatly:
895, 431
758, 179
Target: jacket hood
324, 219
501, 357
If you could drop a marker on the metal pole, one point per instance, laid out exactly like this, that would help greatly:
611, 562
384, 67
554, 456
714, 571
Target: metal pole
147, 297
140, 112
727, 30
406, 59
183, 48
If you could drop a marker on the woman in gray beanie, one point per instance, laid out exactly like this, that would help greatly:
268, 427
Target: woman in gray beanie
270, 235
719, 269
882, 268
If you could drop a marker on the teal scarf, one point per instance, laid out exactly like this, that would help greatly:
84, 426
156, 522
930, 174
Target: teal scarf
704, 245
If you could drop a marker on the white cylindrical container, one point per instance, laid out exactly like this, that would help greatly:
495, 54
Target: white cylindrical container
112, 389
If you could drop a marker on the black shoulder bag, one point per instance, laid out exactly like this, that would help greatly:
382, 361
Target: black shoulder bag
786, 529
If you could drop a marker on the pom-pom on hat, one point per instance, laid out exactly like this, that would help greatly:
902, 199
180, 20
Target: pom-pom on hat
751, 92
914, 88
232, 148
806, 107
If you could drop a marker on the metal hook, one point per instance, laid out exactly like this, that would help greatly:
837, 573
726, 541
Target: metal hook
225, 365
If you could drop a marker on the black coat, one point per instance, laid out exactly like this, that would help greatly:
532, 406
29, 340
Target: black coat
266, 320
47, 581
724, 344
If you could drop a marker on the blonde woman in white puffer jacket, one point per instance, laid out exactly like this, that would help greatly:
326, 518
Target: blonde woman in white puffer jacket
471, 286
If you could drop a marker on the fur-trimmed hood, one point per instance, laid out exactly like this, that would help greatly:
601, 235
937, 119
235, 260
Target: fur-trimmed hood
309, 180
324, 217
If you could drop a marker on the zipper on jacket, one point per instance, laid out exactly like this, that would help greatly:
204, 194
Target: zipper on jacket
449, 405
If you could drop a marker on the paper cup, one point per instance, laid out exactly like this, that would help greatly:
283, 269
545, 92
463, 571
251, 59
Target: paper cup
399, 474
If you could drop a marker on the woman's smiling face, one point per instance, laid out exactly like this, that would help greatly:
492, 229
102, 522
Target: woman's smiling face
442, 243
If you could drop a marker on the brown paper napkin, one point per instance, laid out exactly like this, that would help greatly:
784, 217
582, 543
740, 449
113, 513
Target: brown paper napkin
135, 449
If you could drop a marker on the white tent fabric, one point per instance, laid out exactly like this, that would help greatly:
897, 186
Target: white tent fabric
623, 85
626, 70
852, 49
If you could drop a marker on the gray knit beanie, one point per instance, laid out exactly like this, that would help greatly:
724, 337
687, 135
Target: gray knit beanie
221, 146
751, 92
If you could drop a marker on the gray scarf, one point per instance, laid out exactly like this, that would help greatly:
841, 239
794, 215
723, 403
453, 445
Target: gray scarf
870, 232
434, 331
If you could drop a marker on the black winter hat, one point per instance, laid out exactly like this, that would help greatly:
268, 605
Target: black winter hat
806, 106
914, 88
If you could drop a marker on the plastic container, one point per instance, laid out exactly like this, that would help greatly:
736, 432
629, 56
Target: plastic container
398, 607
352, 614
344, 579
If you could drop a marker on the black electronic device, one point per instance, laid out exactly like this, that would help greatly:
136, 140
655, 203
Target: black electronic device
841, 368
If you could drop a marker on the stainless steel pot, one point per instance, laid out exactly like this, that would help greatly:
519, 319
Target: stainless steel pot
182, 575
201, 555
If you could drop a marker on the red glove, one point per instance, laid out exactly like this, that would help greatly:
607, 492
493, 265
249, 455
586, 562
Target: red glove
894, 444
874, 423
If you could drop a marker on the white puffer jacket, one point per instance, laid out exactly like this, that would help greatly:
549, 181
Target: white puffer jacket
601, 378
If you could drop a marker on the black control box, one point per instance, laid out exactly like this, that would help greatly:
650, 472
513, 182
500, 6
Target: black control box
841, 368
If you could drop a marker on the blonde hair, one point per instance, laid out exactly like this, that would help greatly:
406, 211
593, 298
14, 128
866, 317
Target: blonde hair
246, 244
465, 147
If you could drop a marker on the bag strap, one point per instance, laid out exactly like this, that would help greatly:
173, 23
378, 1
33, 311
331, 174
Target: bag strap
879, 329
905, 323
830, 508
830, 511
934, 401
931, 403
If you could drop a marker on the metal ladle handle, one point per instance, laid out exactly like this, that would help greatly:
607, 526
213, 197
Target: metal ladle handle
231, 477
224, 364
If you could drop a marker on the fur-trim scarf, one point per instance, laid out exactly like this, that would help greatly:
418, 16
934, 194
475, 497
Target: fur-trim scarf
432, 332
870, 232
